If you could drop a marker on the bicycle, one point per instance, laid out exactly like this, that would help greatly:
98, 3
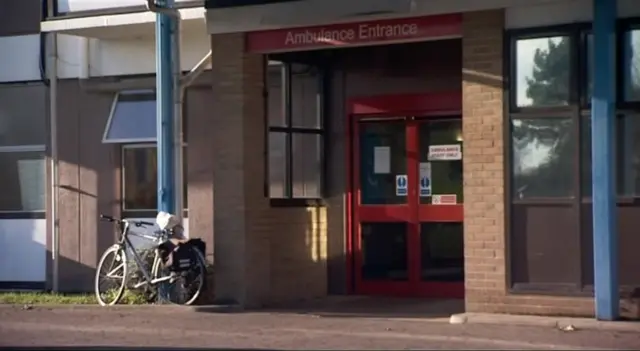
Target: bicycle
161, 274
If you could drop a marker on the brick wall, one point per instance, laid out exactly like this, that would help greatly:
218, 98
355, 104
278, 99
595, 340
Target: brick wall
262, 254
486, 247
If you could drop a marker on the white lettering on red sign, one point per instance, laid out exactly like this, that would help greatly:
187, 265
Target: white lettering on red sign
364, 32
445, 152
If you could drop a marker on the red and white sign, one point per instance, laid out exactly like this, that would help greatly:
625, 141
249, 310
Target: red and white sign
445, 152
361, 33
449, 199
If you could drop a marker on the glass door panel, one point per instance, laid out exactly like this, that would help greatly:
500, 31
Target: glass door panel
442, 252
441, 160
384, 251
383, 158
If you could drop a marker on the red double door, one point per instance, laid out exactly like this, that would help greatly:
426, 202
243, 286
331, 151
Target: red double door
407, 232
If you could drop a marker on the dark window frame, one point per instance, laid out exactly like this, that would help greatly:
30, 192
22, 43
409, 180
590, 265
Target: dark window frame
578, 108
289, 130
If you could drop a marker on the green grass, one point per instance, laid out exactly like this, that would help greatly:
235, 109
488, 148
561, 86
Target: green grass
40, 298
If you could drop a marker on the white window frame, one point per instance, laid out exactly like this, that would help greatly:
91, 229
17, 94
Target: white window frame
112, 111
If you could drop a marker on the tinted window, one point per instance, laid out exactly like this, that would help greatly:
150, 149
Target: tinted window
542, 71
543, 157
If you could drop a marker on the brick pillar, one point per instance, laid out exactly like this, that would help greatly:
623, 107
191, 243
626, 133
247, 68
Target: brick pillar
482, 91
236, 127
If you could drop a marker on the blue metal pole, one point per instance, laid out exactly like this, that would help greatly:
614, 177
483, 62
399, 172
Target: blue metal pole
603, 103
164, 102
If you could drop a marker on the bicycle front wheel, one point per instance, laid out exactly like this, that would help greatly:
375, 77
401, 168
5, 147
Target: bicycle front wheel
111, 276
185, 287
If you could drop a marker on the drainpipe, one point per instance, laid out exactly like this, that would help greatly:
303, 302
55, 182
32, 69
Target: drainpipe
167, 102
53, 125
184, 83
181, 83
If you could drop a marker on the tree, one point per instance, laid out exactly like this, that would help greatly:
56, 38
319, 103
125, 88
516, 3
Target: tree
549, 81
546, 142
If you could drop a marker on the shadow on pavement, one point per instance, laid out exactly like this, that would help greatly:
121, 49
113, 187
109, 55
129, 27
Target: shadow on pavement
374, 307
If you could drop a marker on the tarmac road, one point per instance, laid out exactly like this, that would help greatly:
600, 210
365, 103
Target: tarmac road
76, 328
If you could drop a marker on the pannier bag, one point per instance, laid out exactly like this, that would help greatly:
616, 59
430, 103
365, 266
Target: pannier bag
180, 255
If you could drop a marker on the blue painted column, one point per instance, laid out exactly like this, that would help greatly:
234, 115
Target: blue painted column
164, 102
603, 103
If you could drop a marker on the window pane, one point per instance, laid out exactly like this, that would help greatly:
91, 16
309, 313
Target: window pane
133, 119
589, 82
277, 164
307, 165
141, 178
542, 71
632, 65
274, 92
23, 181
627, 149
305, 96
543, 157
23, 115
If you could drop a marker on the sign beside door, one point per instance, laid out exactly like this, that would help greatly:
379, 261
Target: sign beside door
401, 185
445, 152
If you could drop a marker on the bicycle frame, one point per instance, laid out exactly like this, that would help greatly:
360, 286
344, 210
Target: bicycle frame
125, 243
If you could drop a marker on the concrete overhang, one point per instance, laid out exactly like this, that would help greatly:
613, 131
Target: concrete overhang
322, 12
128, 25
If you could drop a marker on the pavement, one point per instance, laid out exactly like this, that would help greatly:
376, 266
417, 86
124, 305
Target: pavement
169, 327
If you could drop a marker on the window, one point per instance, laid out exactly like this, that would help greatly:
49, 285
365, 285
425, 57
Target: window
627, 146
543, 150
543, 146
132, 119
550, 91
22, 147
542, 71
631, 64
627, 121
140, 177
296, 135
132, 123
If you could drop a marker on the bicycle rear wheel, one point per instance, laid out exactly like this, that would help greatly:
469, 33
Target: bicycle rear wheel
183, 288
111, 276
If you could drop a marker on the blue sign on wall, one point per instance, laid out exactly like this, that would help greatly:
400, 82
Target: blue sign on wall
401, 185
425, 186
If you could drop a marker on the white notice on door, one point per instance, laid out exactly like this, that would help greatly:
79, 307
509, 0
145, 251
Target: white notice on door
445, 152
381, 160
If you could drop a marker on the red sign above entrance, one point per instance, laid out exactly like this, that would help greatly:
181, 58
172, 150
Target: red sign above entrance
361, 33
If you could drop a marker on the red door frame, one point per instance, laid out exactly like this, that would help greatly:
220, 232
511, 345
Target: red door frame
424, 105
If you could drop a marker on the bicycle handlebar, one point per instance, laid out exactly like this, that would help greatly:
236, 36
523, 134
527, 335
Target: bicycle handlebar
117, 220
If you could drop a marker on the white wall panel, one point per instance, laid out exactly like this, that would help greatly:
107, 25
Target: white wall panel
23, 248
20, 58
124, 57
65, 6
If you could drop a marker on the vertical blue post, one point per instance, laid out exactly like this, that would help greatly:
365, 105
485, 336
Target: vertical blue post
164, 103
605, 235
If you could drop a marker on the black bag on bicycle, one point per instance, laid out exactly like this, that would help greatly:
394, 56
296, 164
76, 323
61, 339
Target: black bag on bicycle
180, 256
